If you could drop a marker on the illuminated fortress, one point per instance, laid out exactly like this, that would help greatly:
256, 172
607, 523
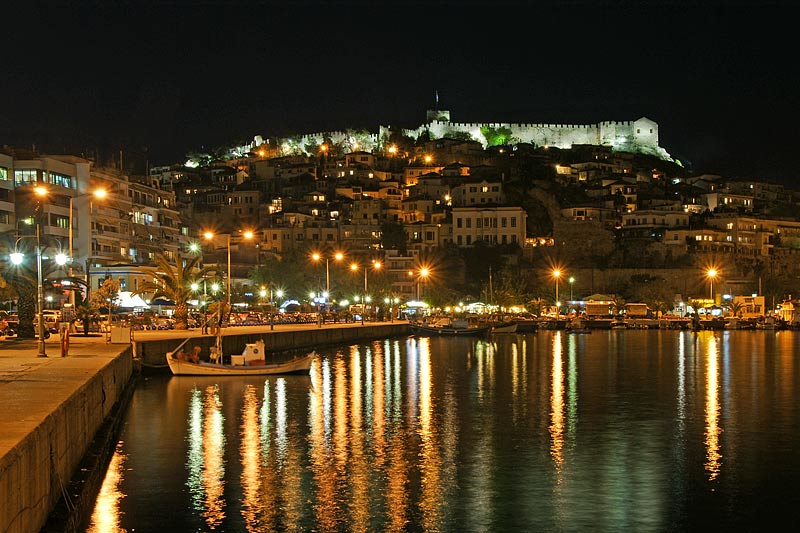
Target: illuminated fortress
637, 136
628, 136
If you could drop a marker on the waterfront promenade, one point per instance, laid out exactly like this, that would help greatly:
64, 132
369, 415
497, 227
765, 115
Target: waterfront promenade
52, 407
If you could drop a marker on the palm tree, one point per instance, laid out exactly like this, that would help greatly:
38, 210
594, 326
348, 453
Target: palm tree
24, 283
86, 312
173, 282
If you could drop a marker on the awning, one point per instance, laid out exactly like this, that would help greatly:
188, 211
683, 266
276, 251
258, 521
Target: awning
129, 300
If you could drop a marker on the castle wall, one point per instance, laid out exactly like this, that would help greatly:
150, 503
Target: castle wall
629, 136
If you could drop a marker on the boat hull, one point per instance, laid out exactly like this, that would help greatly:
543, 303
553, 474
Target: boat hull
505, 328
187, 368
449, 331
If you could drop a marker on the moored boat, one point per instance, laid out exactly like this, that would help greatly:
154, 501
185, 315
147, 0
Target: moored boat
508, 327
452, 327
249, 362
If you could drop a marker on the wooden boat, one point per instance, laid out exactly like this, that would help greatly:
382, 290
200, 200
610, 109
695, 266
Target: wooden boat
577, 325
527, 325
457, 327
506, 327
250, 363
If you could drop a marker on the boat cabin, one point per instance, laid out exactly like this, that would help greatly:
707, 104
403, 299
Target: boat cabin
253, 354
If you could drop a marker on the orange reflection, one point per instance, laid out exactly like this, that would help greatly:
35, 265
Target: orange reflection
557, 404
318, 451
106, 514
713, 431
213, 474
397, 497
360, 470
432, 499
250, 449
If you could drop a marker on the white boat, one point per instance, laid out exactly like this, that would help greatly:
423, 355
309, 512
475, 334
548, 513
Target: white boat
447, 326
508, 327
250, 362
577, 325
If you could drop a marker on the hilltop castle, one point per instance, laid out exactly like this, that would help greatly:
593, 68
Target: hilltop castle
637, 136
627, 136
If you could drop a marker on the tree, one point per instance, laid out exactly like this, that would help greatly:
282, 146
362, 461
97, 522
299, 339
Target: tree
24, 283
737, 308
105, 296
85, 311
173, 282
393, 236
495, 136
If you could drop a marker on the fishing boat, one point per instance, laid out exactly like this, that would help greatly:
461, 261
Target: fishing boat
505, 327
577, 325
447, 326
250, 362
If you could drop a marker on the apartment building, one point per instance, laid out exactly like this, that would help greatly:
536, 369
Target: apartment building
493, 225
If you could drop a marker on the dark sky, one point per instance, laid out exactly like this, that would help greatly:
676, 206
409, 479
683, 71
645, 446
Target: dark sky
721, 80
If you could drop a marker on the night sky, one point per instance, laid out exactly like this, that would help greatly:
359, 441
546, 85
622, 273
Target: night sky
721, 81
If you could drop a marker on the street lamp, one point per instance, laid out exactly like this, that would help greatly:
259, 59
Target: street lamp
354, 267
99, 194
556, 276
424, 272
711, 273
316, 256
17, 258
209, 235
571, 281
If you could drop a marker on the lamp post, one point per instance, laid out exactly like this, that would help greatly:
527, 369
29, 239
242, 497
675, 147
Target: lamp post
354, 267
316, 256
99, 194
209, 235
423, 275
17, 258
556, 276
712, 273
571, 281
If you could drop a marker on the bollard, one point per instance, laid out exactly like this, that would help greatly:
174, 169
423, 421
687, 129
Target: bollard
64, 340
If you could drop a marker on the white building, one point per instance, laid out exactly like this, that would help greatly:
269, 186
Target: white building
493, 225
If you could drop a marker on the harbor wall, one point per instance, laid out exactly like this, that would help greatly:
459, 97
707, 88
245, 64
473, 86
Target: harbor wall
152, 353
35, 474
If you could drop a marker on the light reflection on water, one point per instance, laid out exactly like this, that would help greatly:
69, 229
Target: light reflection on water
613, 431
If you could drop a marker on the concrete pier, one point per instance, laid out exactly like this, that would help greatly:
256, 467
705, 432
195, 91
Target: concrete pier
50, 410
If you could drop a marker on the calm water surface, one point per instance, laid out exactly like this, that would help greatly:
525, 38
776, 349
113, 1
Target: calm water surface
609, 431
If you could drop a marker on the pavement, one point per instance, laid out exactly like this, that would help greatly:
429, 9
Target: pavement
32, 387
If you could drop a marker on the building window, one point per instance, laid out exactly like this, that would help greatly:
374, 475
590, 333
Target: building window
25, 176
3, 173
513, 222
61, 179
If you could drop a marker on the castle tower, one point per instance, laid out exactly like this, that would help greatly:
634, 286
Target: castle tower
436, 114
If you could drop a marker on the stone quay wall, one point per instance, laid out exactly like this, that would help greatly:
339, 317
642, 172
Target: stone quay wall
36, 472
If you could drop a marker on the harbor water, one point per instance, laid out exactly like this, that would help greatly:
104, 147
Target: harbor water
614, 430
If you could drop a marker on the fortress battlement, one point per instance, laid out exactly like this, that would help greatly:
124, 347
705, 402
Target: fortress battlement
637, 136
